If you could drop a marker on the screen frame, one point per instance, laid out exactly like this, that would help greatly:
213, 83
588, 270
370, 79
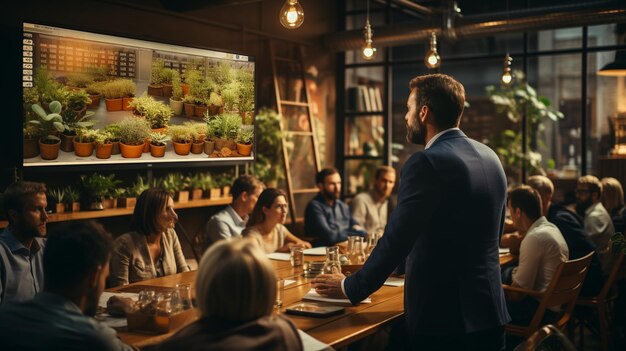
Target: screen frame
17, 34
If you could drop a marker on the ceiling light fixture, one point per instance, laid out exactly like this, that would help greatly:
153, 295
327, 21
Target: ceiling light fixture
368, 51
617, 68
432, 59
507, 76
291, 14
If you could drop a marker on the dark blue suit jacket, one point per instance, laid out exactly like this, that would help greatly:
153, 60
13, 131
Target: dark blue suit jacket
447, 224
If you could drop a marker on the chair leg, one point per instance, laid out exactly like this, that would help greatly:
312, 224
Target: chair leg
604, 326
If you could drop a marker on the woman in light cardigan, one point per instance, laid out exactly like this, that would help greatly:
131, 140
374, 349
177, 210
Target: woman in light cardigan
152, 248
266, 223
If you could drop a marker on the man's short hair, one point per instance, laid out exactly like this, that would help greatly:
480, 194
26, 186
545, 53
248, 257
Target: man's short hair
73, 251
592, 182
14, 197
381, 170
527, 200
443, 95
245, 183
542, 184
321, 175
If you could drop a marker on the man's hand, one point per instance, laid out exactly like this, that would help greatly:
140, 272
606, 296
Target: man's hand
329, 285
119, 306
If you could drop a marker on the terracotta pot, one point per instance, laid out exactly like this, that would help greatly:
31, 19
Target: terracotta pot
76, 206
104, 150
31, 148
126, 103
196, 194
201, 137
200, 110
116, 148
67, 142
176, 106
157, 151
244, 149
109, 203
209, 147
196, 148
231, 144
185, 88
167, 90
49, 151
95, 101
113, 104
215, 193
226, 191
214, 110
126, 202
220, 143
146, 145
182, 148
59, 208
131, 151
182, 196
82, 149
155, 89
189, 109
161, 130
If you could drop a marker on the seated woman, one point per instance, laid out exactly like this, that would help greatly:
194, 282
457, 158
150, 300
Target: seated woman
152, 249
266, 223
235, 314
613, 200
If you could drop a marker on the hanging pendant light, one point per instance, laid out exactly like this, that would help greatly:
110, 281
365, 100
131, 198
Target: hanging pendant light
617, 68
507, 76
432, 59
291, 14
368, 52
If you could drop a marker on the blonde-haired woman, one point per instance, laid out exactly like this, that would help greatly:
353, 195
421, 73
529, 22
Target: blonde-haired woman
613, 200
235, 292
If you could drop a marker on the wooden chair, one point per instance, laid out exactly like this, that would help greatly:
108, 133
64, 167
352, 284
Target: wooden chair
563, 290
602, 303
547, 338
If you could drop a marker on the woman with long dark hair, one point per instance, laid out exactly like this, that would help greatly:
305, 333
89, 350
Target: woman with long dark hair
266, 223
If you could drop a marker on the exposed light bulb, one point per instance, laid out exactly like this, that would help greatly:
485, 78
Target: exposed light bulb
291, 14
369, 51
432, 59
507, 76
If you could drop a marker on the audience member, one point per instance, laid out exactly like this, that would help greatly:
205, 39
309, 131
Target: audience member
573, 231
231, 221
76, 265
371, 208
266, 223
613, 201
598, 223
236, 313
542, 250
22, 243
326, 218
152, 248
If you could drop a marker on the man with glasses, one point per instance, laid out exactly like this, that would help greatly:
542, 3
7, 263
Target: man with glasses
598, 224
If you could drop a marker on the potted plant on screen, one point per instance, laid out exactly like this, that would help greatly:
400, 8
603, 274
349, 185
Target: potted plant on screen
158, 144
103, 143
176, 100
245, 137
83, 142
52, 124
133, 132
182, 137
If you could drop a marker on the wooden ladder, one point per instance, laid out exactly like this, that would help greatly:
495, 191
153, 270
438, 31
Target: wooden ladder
299, 144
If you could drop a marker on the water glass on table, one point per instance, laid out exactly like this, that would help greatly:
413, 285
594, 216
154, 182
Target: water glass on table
280, 286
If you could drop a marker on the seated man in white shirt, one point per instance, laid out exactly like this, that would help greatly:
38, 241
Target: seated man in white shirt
542, 250
231, 221
598, 223
372, 207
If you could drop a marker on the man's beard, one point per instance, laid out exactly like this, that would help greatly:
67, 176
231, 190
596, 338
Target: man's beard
330, 195
582, 207
416, 134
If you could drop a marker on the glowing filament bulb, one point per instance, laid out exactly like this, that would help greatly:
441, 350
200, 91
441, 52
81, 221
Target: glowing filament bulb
369, 51
291, 14
507, 77
432, 59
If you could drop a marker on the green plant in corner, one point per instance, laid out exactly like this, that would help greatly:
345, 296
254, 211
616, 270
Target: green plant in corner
513, 102
269, 158
57, 194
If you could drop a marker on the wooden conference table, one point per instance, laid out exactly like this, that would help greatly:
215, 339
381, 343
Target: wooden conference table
338, 331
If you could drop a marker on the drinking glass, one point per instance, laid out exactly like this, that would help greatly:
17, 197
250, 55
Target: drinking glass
280, 286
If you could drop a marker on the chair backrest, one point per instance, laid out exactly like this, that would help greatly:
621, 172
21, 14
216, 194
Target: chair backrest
618, 271
547, 338
563, 289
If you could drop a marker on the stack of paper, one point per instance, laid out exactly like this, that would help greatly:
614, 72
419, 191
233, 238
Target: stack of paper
316, 251
504, 250
279, 256
313, 295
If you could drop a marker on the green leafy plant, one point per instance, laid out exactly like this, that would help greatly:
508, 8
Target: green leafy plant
155, 112
228, 126
102, 137
49, 121
167, 75
118, 88
215, 99
97, 185
57, 194
513, 102
114, 130
245, 136
86, 135
156, 74
159, 139
133, 130
73, 195
138, 187
182, 134
173, 182
94, 88
177, 89
79, 80
199, 128
267, 166
78, 100
202, 181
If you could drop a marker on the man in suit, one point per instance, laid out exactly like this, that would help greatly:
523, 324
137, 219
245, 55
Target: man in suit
447, 223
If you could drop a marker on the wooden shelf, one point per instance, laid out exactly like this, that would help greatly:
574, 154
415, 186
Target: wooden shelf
114, 212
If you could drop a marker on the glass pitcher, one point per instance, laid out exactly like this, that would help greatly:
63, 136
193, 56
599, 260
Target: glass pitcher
357, 255
332, 264
372, 240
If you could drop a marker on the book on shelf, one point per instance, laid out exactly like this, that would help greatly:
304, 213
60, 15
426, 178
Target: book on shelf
364, 98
